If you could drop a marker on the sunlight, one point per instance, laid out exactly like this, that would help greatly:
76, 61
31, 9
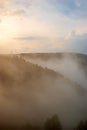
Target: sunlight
8, 29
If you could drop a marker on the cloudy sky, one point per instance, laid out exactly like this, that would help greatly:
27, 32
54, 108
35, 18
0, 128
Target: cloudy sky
43, 26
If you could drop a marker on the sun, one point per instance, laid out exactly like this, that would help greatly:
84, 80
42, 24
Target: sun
8, 29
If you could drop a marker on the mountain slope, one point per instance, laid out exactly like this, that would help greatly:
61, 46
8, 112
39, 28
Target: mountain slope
30, 93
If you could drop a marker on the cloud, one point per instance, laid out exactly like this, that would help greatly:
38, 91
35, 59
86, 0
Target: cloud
76, 8
73, 42
43, 22
70, 35
30, 38
13, 7
77, 42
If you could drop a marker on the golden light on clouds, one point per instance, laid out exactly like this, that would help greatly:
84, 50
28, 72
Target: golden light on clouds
8, 29
38, 25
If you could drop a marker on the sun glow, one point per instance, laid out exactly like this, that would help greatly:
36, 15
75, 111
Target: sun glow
8, 29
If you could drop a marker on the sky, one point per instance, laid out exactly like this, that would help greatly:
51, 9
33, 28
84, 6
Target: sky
43, 26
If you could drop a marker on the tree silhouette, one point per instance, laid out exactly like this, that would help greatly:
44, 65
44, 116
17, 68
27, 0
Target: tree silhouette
82, 125
53, 123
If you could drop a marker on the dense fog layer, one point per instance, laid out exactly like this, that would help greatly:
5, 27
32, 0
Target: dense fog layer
74, 93
31, 93
68, 66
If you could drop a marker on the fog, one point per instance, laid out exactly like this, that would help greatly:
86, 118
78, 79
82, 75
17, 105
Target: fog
69, 97
29, 93
69, 66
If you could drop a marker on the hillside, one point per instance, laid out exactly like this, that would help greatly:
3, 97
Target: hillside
31, 93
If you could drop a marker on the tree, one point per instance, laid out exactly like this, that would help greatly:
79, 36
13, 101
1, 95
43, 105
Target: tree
82, 125
53, 123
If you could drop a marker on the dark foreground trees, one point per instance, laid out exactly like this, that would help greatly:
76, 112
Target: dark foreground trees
53, 123
82, 126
